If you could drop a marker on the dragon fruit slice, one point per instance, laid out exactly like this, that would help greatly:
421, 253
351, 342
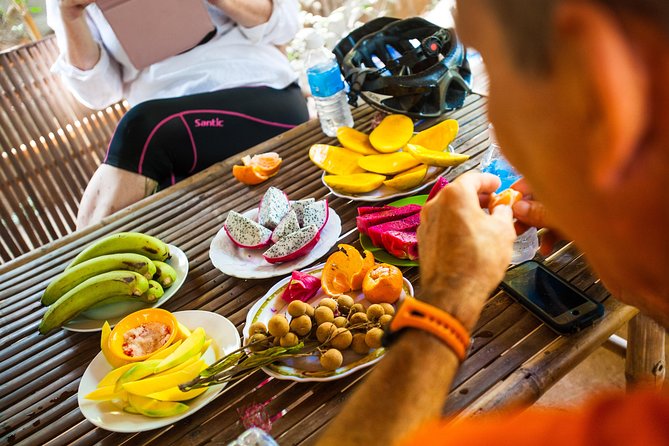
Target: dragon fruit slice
408, 224
403, 245
316, 214
366, 221
273, 206
364, 210
293, 245
287, 225
245, 232
298, 207
302, 286
439, 185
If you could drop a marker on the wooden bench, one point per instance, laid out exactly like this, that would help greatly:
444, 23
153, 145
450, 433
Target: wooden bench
50, 145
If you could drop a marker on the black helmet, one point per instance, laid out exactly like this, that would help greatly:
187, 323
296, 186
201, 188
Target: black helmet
410, 66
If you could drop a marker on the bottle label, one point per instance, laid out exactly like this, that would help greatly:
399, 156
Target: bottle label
325, 79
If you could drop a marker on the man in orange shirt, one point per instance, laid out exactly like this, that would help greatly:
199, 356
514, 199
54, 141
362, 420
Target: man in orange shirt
579, 90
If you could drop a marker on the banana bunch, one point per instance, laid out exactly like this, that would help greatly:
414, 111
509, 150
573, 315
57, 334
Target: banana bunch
119, 267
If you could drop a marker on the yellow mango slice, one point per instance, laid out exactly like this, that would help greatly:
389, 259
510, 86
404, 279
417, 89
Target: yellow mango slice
113, 376
392, 134
434, 158
107, 393
335, 160
190, 347
175, 394
154, 408
155, 384
183, 332
104, 346
165, 353
437, 137
355, 183
138, 371
388, 163
409, 179
176, 368
355, 140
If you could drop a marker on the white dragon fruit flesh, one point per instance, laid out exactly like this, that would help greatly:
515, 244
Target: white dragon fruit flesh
316, 214
298, 207
294, 245
273, 206
245, 232
287, 225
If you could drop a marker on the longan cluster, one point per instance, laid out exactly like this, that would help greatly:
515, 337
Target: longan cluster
336, 324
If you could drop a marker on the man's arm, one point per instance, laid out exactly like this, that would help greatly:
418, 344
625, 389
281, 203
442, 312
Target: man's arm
248, 13
81, 50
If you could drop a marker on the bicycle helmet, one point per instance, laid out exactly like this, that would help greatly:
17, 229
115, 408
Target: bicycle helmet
410, 66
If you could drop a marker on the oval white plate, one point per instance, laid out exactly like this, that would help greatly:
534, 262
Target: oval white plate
108, 416
81, 323
309, 368
250, 264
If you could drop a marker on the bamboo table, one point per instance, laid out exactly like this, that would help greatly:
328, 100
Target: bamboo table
514, 357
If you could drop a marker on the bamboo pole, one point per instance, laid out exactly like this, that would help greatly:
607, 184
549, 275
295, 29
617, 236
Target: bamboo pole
644, 364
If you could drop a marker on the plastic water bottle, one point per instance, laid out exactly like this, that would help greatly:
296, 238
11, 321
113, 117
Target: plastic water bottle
254, 437
327, 86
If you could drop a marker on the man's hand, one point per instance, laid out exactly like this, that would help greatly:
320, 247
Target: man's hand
530, 212
463, 251
73, 9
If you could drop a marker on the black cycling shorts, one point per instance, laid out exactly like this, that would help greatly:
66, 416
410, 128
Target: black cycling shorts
168, 140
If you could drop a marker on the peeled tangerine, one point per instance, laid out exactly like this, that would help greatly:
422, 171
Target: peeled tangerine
345, 270
437, 137
409, 179
355, 140
507, 196
355, 183
389, 163
434, 158
383, 284
335, 160
392, 134
257, 168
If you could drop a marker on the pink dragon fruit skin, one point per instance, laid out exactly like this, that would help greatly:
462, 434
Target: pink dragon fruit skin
273, 206
246, 233
403, 245
302, 286
364, 210
439, 185
294, 245
408, 224
366, 221
316, 213
287, 225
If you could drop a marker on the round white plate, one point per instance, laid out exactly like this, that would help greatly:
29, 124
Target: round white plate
119, 310
108, 416
309, 368
250, 264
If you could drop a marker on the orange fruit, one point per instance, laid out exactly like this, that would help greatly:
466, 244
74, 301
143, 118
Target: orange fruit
266, 164
383, 284
248, 175
507, 196
367, 264
344, 270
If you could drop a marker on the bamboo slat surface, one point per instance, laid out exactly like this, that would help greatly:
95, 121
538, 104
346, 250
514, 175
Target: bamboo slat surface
40, 374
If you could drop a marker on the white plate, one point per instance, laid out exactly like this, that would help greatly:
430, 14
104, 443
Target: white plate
81, 323
250, 264
107, 416
309, 368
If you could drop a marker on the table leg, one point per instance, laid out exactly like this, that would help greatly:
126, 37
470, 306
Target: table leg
644, 363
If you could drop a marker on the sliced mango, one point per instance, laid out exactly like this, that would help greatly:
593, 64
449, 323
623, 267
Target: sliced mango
355, 183
154, 408
155, 384
355, 140
434, 158
191, 346
183, 332
388, 163
104, 346
107, 393
335, 160
175, 394
113, 376
138, 371
408, 179
392, 133
162, 354
176, 368
437, 137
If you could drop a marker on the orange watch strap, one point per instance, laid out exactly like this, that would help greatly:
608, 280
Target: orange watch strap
423, 316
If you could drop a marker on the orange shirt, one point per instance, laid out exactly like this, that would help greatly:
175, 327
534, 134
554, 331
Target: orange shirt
634, 419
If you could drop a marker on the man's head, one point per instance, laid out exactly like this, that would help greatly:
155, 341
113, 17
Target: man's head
579, 96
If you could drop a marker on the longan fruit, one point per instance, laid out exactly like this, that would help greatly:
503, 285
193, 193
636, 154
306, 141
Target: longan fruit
331, 359
310, 310
278, 325
328, 302
323, 314
276, 342
345, 302
388, 308
340, 321
325, 331
374, 312
289, 340
257, 327
359, 345
257, 342
385, 321
342, 339
358, 318
297, 308
356, 308
373, 338
301, 325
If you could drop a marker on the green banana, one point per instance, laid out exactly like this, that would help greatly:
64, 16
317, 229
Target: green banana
154, 293
90, 292
165, 274
136, 242
72, 277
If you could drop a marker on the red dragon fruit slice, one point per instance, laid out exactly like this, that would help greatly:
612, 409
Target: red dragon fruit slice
439, 185
302, 286
364, 210
273, 206
293, 245
366, 221
245, 232
316, 214
408, 224
287, 225
298, 206
403, 245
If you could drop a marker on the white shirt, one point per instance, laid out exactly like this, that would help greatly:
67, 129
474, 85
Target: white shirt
235, 57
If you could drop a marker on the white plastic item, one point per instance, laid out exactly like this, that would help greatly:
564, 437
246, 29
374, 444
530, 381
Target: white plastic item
327, 86
525, 246
254, 437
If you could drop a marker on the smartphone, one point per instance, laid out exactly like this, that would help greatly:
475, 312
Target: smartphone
562, 306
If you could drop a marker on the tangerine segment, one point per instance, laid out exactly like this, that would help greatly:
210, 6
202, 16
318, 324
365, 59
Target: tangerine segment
265, 163
367, 264
355, 140
392, 133
437, 137
383, 284
507, 196
344, 270
248, 175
